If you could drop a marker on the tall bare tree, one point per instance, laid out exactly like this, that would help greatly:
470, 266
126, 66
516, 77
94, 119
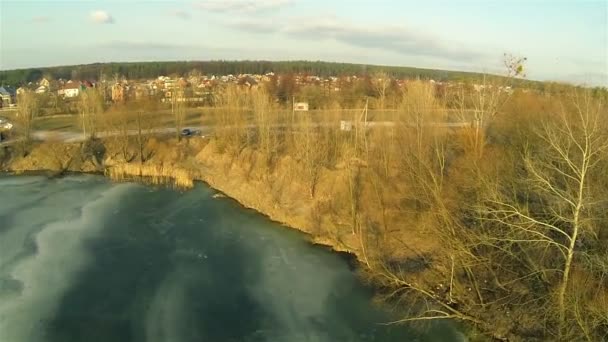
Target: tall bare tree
380, 83
91, 104
266, 122
120, 121
480, 102
555, 213
27, 109
231, 120
311, 149
178, 109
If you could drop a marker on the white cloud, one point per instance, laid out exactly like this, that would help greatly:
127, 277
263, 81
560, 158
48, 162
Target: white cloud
397, 39
255, 26
401, 40
181, 14
242, 5
41, 19
131, 45
101, 17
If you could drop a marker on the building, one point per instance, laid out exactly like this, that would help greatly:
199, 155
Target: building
70, 89
45, 83
7, 96
41, 90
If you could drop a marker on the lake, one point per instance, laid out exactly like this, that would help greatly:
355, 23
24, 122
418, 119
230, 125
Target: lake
83, 259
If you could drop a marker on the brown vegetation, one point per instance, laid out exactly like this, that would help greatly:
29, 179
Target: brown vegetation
151, 174
90, 105
500, 222
28, 109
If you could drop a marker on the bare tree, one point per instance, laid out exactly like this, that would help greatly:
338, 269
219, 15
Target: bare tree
230, 118
381, 83
421, 153
27, 110
311, 148
120, 123
141, 137
266, 121
481, 102
178, 109
90, 105
143, 124
558, 215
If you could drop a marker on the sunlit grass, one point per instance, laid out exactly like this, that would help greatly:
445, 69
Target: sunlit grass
152, 174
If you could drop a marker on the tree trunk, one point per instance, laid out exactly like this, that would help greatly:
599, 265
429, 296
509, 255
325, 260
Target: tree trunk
570, 254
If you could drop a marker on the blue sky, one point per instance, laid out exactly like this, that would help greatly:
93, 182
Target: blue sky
563, 40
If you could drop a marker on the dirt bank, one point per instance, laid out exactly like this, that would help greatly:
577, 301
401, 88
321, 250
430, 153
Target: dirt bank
278, 191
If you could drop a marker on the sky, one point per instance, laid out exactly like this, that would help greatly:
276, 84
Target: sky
563, 40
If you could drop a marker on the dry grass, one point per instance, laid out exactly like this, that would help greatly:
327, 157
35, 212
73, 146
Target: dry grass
152, 174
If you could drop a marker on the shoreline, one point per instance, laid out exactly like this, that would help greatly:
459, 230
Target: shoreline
277, 194
315, 241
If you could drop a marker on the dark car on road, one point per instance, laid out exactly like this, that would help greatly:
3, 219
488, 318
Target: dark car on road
187, 132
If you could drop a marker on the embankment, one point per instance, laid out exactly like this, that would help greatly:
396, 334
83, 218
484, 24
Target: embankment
278, 191
340, 214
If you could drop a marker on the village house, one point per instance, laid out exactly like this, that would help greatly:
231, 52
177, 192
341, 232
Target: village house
20, 90
45, 83
7, 96
70, 89
73, 88
41, 89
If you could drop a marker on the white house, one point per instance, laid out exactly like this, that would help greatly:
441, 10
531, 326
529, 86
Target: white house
41, 90
70, 89
45, 83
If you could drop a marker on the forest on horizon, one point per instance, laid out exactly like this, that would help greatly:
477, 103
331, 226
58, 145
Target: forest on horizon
146, 70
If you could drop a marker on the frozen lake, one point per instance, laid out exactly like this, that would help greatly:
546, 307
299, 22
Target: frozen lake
82, 259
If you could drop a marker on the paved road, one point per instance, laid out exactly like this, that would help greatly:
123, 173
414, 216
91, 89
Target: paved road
79, 136
71, 137
205, 130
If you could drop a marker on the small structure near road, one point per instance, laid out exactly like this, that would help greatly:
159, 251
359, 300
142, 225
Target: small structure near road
5, 128
346, 125
300, 107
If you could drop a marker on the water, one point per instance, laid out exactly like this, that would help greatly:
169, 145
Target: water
85, 260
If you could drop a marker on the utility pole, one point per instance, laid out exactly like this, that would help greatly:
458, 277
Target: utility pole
366, 109
365, 127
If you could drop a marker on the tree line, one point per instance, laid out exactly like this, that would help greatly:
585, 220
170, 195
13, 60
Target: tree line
147, 70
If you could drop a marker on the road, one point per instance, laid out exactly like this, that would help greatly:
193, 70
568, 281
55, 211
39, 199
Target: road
71, 137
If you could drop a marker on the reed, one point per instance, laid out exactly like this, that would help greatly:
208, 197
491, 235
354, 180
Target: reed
152, 174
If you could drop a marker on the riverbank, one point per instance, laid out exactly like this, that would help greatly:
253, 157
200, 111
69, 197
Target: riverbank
279, 192
203, 164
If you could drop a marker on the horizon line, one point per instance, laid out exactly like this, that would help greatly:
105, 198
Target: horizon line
478, 73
